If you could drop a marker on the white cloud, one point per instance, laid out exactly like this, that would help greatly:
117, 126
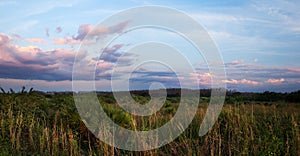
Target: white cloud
281, 80
242, 81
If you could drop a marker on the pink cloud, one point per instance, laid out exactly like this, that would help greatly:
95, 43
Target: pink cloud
203, 78
243, 81
4, 39
118, 28
67, 40
255, 60
232, 81
70, 41
83, 30
200, 75
35, 40
296, 70
32, 62
99, 31
237, 62
21, 60
281, 80
16, 35
104, 65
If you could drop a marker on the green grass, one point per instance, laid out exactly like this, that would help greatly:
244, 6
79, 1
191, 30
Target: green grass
38, 124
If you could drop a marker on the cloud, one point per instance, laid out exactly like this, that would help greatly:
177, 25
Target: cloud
115, 54
257, 77
245, 81
281, 80
111, 54
237, 70
102, 64
202, 78
143, 78
99, 31
58, 30
232, 81
87, 29
242, 81
47, 32
238, 64
118, 28
285, 13
253, 77
66, 40
70, 41
4, 39
235, 63
31, 62
83, 30
35, 40
293, 70
16, 36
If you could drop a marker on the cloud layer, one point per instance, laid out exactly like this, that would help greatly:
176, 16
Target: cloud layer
34, 63
258, 30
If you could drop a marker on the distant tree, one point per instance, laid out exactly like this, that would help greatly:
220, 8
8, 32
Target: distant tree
293, 96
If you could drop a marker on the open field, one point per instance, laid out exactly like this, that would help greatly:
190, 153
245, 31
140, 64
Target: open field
48, 124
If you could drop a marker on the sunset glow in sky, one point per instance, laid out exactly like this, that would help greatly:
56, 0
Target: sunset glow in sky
258, 40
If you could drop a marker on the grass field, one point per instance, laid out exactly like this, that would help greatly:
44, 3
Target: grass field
34, 123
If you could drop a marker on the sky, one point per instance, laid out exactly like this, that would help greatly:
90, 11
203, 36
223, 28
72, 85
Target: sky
258, 41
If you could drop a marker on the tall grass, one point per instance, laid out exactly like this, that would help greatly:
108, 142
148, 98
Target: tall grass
34, 124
